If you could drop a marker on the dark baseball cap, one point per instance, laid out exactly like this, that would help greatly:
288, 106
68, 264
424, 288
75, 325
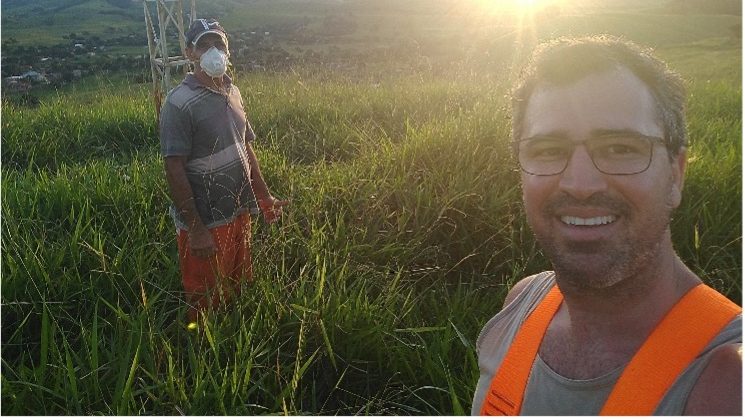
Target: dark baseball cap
204, 26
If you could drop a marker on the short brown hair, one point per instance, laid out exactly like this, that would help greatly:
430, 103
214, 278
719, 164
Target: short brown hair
566, 60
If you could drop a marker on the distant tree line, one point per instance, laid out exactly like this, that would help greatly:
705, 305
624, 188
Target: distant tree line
124, 4
714, 7
74, 54
283, 46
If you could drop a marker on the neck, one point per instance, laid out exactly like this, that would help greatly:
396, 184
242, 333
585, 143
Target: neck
216, 83
599, 328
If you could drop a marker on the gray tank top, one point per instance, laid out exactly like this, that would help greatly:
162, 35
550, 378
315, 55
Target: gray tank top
547, 392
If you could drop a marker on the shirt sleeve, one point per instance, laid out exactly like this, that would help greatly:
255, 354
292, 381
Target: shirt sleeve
175, 131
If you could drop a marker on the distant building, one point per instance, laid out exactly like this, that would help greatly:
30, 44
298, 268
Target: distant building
34, 76
23, 82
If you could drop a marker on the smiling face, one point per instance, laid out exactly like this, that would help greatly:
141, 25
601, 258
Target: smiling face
600, 229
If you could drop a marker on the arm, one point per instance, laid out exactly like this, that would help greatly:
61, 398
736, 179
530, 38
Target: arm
200, 239
718, 390
270, 206
257, 180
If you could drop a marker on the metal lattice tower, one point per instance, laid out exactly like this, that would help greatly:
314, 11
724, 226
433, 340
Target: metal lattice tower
169, 31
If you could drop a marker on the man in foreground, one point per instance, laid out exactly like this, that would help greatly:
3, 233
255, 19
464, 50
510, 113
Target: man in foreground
621, 326
212, 172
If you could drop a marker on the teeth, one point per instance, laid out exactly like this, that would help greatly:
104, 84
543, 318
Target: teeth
593, 221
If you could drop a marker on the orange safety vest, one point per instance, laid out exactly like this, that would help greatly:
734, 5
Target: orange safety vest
681, 336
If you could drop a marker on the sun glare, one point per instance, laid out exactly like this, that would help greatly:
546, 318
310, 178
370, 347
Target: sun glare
521, 20
523, 23
519, 6
525, 4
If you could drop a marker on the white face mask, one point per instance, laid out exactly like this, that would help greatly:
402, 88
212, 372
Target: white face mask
214, 62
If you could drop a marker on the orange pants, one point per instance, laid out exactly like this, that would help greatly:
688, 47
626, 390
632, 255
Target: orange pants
208, 282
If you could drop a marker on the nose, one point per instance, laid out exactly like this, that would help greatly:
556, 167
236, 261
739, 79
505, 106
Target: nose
581, 179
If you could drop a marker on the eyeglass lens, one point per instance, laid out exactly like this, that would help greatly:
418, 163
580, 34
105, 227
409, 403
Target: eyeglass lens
614, 155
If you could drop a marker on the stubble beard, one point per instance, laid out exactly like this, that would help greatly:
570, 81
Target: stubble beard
596, 267
606, 266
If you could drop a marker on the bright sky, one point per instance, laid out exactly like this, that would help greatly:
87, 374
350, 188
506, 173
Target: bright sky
520, 6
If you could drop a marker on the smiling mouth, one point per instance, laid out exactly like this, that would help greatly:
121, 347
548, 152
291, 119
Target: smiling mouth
592, 221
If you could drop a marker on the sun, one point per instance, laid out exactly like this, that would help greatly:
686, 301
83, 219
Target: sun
526, 4
515, 6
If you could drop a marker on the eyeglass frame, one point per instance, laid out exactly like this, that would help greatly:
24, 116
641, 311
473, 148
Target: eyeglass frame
651, 139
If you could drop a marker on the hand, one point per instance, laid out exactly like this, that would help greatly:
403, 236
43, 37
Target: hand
272, 208
201, 243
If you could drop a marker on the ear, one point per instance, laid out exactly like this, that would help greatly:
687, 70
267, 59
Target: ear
190, 54
678, 166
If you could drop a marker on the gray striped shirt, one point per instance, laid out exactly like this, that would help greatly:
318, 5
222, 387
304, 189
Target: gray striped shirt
210, 129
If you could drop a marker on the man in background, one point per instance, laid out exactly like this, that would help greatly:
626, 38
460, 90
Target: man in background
213, 175
621, 326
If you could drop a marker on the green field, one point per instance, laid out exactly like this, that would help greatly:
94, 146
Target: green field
404, 233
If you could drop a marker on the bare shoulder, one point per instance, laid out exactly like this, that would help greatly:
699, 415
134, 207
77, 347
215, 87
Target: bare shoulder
718, 390
494, 330
516, 289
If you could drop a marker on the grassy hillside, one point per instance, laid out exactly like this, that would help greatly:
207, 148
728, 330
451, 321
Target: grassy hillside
404, 233
45, 22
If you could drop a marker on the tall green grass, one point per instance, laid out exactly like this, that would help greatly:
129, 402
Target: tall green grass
404, 233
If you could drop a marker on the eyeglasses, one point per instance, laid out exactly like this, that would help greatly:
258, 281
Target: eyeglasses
613, 154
